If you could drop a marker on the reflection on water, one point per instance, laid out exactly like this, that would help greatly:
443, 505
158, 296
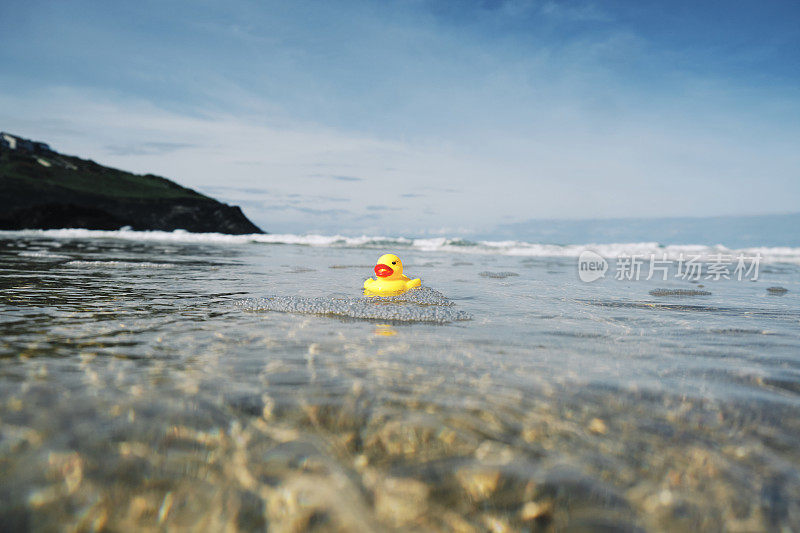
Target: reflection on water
139, 395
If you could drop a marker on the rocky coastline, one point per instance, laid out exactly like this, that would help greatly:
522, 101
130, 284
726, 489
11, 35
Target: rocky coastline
43, 189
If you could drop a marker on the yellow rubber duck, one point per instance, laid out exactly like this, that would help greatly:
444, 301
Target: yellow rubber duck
390, 278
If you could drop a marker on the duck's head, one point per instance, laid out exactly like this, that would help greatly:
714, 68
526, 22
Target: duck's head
389, 267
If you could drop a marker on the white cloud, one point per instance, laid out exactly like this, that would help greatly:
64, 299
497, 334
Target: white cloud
570, 163
207, 151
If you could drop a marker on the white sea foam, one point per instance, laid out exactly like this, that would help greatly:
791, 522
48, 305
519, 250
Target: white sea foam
439, 244
44, 255
417, 305
122, 264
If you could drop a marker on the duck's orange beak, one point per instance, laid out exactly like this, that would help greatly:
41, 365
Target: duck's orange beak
382, 270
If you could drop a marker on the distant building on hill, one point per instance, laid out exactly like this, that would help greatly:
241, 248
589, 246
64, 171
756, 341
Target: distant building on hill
13, 142
8, 141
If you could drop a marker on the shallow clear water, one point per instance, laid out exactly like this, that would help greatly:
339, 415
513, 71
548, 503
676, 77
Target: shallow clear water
140, 388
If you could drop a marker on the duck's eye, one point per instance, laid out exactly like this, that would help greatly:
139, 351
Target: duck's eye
394, 262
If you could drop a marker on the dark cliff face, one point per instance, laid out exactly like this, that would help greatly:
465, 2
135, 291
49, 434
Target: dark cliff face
42, 189
198, 216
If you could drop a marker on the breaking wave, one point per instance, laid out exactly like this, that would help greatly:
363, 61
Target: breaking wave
437, 244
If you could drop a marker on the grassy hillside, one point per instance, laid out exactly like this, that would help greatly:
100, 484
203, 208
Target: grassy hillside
41, 189
31, 173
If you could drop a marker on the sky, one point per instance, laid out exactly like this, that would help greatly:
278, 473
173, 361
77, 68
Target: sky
422, 117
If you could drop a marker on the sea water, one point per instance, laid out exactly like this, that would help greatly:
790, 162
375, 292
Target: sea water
165, 380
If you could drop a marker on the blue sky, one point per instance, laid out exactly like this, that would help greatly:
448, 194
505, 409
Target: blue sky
422, 117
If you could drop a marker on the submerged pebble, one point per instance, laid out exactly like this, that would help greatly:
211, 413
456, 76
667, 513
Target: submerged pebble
418, 305
777, 290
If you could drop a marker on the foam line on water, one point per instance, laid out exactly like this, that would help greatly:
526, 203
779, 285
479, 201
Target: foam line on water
418, 305
438, 244
122, 264
43, 255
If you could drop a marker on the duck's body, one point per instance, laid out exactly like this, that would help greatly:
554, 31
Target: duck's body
395, 286
390, 279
